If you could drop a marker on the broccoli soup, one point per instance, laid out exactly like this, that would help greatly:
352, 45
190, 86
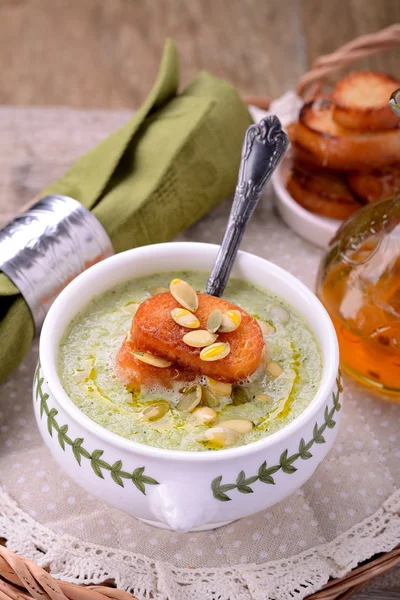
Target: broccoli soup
157, 361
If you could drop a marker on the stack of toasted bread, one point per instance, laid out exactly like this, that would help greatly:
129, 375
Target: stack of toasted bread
346, 147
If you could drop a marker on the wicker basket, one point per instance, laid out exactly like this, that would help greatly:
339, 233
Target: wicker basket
21, 579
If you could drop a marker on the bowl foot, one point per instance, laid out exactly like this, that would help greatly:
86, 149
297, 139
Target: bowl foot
202, 528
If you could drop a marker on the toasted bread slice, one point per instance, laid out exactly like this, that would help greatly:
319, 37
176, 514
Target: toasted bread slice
291, 131
325, 194
377, 185
302, 156
154, 330
299, 154
329, 184
361, 101
334, 147
135, 373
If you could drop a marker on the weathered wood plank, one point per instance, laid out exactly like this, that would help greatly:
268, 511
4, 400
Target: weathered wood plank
105, 54
330, 24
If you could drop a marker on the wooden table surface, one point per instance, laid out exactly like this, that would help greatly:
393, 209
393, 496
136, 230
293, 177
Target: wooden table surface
105, 54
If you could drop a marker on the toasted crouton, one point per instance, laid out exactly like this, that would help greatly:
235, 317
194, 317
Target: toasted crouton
302, 156
377, 185
299, 154
361, 101
334, 147
135, 373
325, 183
291, 132
324, 193
153, 330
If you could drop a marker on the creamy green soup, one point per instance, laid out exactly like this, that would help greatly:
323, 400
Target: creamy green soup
271, 398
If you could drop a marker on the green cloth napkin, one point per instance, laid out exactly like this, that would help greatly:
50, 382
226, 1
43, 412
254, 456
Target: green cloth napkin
175, 159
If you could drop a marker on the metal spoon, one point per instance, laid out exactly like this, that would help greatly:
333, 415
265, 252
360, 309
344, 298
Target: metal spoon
263, 148
394, 102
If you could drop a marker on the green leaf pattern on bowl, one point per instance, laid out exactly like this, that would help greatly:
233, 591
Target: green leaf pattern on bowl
219, 489
97, 462
286, 462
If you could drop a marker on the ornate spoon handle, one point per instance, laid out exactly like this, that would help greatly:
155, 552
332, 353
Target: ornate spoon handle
264, 146
394, 102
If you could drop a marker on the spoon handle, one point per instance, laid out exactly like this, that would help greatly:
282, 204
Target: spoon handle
264, 146
394, 102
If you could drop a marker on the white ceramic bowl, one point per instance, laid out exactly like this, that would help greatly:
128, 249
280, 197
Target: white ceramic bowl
314, 228
170, 488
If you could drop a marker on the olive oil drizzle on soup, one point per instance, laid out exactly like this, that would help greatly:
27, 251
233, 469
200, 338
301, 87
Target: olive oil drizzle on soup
274, 395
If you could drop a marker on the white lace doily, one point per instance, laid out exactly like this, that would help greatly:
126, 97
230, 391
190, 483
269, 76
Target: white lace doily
347, 512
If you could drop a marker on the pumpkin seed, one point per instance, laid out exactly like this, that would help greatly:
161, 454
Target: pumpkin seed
274, 369
205, 414
263, 398
216, 351
218, 387
83, 373
199, 338
280, 313
131, 308
158, 289
238, 425
190, 398
214, 321
208, 398
230, 321
151, 359
184, 294
184, 317
155, 411
219, 436
240, 395
266, 328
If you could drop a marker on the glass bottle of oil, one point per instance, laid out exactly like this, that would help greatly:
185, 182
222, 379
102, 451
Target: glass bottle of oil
359, 284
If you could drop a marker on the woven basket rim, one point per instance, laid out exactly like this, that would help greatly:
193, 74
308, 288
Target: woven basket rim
21, 579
